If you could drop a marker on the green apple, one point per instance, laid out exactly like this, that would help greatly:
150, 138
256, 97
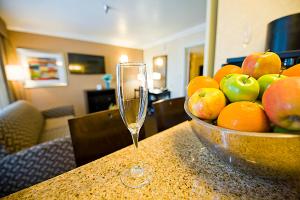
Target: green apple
278, 129
266, 80
239, 87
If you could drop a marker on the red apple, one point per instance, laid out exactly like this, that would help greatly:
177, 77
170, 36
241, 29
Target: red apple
258, 64
207, 103
282, 103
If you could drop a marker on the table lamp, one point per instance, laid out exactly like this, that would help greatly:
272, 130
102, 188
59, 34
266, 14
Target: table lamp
15, 74
156, 76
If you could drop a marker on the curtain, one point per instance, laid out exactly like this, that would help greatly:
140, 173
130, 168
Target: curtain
5, 94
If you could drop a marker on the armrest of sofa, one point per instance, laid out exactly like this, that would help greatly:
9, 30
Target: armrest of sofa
35, 164
59, 111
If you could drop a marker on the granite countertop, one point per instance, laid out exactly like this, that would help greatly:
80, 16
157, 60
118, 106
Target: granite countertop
183, 169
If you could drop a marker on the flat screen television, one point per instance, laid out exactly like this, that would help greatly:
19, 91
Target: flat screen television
86, 64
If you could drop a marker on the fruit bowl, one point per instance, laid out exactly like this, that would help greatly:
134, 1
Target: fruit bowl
269, 155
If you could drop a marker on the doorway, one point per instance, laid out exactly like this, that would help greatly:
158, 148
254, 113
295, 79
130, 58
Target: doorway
195, 60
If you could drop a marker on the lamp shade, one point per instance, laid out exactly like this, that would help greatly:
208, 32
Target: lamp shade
14, 72
156, 75
141, 77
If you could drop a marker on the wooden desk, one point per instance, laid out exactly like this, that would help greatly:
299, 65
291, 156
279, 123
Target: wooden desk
99, 100
155, 95
183, 169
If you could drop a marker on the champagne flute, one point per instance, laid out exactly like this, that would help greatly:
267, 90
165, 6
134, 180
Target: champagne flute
132, 78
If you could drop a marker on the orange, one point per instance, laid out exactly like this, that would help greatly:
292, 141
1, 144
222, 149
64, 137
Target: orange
227, 69
244, 116
201, 82
292, 71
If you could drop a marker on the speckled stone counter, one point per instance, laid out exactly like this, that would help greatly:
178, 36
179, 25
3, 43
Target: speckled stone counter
183, 169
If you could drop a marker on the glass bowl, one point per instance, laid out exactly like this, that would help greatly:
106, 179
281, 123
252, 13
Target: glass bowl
272, 155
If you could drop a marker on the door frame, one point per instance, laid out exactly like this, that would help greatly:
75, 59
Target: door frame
187, 60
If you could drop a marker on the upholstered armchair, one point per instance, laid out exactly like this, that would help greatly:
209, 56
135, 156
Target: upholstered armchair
34, 145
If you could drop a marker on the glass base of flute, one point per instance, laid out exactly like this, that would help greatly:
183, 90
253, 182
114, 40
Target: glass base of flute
139, 175
133, 109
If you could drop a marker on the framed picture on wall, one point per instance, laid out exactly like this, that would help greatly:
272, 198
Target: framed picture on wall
159, 72
43, 69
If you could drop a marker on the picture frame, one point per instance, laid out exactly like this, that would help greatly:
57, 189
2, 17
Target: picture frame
43, 68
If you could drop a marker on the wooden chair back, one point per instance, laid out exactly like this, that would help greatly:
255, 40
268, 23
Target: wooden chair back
169, 113
98, 134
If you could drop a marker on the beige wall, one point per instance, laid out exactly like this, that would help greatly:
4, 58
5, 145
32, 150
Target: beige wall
45, 98
242, 20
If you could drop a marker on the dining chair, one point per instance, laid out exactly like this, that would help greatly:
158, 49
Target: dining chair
98, 134
169, 112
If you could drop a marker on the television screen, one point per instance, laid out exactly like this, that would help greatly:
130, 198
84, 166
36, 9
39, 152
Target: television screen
86, 64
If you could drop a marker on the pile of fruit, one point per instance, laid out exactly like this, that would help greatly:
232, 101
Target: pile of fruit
258, 97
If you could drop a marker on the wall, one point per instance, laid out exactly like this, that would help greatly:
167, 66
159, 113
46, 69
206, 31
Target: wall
73, 94
175, 50
242, 20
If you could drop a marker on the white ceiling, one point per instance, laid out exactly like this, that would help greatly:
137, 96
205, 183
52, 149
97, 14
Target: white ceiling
131, 23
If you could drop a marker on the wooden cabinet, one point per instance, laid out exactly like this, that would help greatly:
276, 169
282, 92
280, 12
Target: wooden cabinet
98, 100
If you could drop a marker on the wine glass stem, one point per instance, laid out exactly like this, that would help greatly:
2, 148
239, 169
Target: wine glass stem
135, 138
136, 170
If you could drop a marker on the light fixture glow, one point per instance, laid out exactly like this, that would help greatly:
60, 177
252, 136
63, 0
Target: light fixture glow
159, 61
123, 58
14, 73
75, 67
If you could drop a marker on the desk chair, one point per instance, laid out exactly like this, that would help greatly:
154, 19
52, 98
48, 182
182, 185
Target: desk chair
98, 134
169, 112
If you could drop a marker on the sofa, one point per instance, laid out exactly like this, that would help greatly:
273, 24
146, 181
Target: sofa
34, 145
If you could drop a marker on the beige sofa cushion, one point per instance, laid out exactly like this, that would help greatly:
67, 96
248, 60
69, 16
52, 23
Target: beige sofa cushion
55, 128
20, 126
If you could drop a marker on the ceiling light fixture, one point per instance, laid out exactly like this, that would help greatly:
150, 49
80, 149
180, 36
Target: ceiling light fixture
106, 8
